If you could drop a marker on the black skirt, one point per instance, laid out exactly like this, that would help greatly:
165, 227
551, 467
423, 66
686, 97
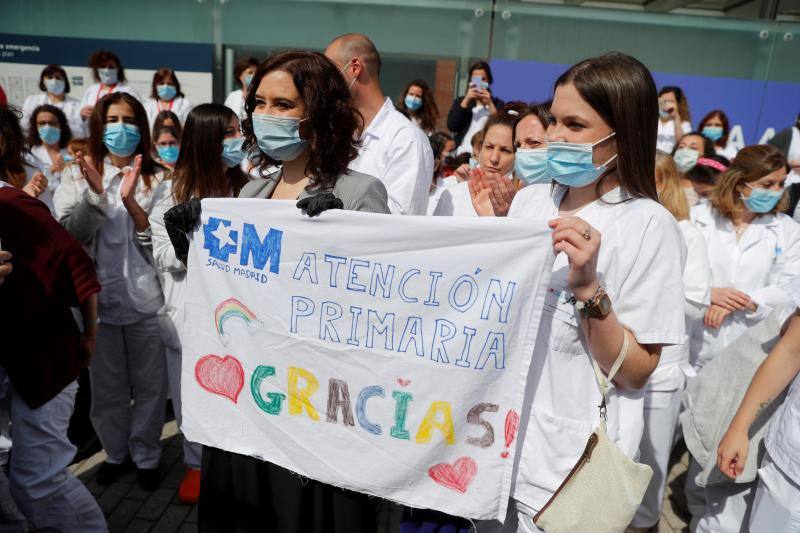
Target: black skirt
242, 494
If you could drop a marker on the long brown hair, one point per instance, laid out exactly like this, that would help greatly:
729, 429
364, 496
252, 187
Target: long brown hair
97, 125
333, 122
428, 114
726, 125
622, 91
671, 194
199, 170
12, 147
63, 125
750, 164
680, 99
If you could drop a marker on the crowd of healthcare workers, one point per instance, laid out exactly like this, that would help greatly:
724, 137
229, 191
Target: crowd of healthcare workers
673, 247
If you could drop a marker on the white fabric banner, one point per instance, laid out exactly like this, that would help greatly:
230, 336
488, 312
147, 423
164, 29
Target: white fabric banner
383, 354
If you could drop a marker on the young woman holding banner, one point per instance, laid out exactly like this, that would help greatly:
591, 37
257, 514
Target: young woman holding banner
619, 262
299, 116
207, 167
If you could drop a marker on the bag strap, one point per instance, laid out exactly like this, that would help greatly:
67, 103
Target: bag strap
602, 380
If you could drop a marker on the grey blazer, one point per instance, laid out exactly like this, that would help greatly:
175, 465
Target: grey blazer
357, 191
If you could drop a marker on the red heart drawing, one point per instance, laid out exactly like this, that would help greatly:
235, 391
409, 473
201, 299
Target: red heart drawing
220, 376
456, 476
403, 382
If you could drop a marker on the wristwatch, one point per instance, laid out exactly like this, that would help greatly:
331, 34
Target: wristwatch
597, 306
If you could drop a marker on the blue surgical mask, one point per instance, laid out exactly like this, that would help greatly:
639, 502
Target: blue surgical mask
571, 164
68, 158
473, 162
247, 80
168, 154
166, 92
712, 132
121, 139
530, 165
761, 200
232, 153
663, 114
686, 159
413, 102
54, 85
108, 76
49, 134
279, 137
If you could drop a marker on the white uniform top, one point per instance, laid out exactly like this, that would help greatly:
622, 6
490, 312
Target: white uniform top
179, 105
400, 155
462, 201
666, 135
450, 181
440, 201
728, 151
98, 90
793, 155
131, 291
235, 102
171, 271
70, 106
40, 160
767, 254
640, 264
480, 116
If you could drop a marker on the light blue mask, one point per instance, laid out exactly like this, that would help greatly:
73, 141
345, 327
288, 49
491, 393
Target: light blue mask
761, 200
686, 159
413, 102
54, 85
247, 80
232, 153
571, 164
168, 154
473, 162
712, 132
279, 137
530, 165
49, 134
121, 139
108, 76
663, 114
166, 92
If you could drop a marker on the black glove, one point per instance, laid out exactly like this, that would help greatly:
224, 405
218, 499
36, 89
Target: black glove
314, 205
179, 222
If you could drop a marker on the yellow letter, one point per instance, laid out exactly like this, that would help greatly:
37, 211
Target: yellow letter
298, 398
429, 423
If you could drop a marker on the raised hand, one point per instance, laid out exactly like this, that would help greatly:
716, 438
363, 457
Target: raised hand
581, 242
36, 186
130, 178
92, 176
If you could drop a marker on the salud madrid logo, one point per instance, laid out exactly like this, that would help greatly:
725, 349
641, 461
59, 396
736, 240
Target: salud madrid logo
242, 250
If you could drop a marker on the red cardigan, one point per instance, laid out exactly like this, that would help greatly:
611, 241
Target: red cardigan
41, 342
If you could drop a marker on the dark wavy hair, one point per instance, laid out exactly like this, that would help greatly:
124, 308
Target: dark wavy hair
33, 132
48, 72
333, 123
680, 98
165, 75
97, 124
622, 91
12, 147
726, 125
428, 114
100, 58
199, 170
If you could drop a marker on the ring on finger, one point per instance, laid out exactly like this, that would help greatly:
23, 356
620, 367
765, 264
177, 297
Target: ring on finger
587, 233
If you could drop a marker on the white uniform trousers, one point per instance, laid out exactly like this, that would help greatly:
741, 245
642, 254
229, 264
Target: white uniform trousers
129, 391
191, 450
776, 506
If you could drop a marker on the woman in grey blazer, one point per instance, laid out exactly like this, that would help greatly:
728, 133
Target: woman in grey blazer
299, 117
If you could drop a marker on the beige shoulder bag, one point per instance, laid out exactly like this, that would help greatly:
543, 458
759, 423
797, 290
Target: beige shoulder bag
604, 488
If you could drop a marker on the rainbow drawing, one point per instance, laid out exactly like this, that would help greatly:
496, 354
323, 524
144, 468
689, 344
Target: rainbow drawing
233, 308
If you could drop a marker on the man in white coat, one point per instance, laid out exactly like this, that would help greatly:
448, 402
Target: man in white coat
393, 149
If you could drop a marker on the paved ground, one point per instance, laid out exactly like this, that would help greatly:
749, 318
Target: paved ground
132, 510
